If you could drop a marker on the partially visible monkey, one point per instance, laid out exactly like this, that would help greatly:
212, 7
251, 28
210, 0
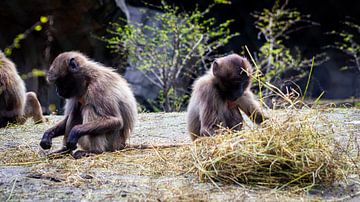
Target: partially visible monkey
100, 109
15, 104
219, 94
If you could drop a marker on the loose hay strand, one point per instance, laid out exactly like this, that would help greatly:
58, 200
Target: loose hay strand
12, 190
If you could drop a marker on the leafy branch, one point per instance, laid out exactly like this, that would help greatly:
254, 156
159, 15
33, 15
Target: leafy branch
35, 27
173, 47
274, 58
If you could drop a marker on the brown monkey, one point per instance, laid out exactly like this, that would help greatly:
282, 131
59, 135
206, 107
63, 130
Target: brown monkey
15, 104
100, 108
218, 95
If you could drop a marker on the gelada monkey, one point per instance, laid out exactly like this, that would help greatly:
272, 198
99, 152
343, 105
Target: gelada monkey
100, 109
15, 104
219, 94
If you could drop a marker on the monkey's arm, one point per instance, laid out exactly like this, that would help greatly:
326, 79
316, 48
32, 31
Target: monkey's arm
101, 126
251, 107
209, 118
57, 130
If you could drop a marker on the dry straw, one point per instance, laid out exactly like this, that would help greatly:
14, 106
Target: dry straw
295, 150
290, 151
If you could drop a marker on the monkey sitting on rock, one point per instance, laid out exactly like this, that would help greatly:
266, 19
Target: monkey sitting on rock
219, 95
15, 104
100, 109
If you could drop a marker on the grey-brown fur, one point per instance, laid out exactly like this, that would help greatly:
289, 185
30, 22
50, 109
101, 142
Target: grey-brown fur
100, 109
15, 104
219, 95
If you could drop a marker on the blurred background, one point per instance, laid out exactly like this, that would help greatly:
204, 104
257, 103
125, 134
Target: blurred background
292, 42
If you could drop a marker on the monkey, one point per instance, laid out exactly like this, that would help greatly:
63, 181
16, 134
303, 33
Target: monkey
33, 108
100, 108
219, 95
16, 105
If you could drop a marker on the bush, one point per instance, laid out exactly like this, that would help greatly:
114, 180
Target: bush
274, 58
171, 51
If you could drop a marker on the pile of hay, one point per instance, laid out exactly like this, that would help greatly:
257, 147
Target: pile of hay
294, 150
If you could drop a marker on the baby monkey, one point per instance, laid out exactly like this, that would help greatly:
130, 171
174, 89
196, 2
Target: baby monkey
219, 95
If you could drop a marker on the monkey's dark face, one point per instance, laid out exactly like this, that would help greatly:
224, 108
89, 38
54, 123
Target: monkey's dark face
66, 74
233, 76
70, 86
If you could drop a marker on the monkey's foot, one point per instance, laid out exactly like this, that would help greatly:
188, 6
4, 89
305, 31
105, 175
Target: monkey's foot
80, 154
45, 143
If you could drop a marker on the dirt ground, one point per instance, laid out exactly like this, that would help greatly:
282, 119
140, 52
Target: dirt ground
151, 174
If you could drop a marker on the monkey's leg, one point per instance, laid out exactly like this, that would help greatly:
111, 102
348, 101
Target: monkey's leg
33, 108
193, 123
209, 121
234, 119
102, 126
57, 130
251, 107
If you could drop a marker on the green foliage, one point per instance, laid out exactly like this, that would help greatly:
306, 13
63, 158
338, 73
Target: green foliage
44, 19
222, 1
170, 49
34, 73
274, 57
52, 108
177, 101
38, 26
349, 43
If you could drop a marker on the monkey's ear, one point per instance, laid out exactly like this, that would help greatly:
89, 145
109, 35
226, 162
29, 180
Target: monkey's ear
247, 66
216, 69
73, 65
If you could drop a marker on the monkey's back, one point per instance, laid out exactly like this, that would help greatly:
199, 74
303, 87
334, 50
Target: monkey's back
109, 95
12, 90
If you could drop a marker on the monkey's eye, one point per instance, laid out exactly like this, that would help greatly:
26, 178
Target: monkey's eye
73, 65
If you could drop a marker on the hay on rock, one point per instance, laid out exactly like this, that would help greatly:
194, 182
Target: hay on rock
291, 151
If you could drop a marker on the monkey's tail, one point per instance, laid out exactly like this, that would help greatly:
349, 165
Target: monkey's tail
151, 146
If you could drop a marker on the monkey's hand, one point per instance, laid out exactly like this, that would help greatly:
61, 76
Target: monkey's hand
72, 139
45, 142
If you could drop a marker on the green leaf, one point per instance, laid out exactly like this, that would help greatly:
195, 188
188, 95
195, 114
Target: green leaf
38, 73
8, 51
43, 19
38, 28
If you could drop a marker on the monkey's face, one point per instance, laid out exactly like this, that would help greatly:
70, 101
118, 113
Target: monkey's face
67, 75
233, 75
